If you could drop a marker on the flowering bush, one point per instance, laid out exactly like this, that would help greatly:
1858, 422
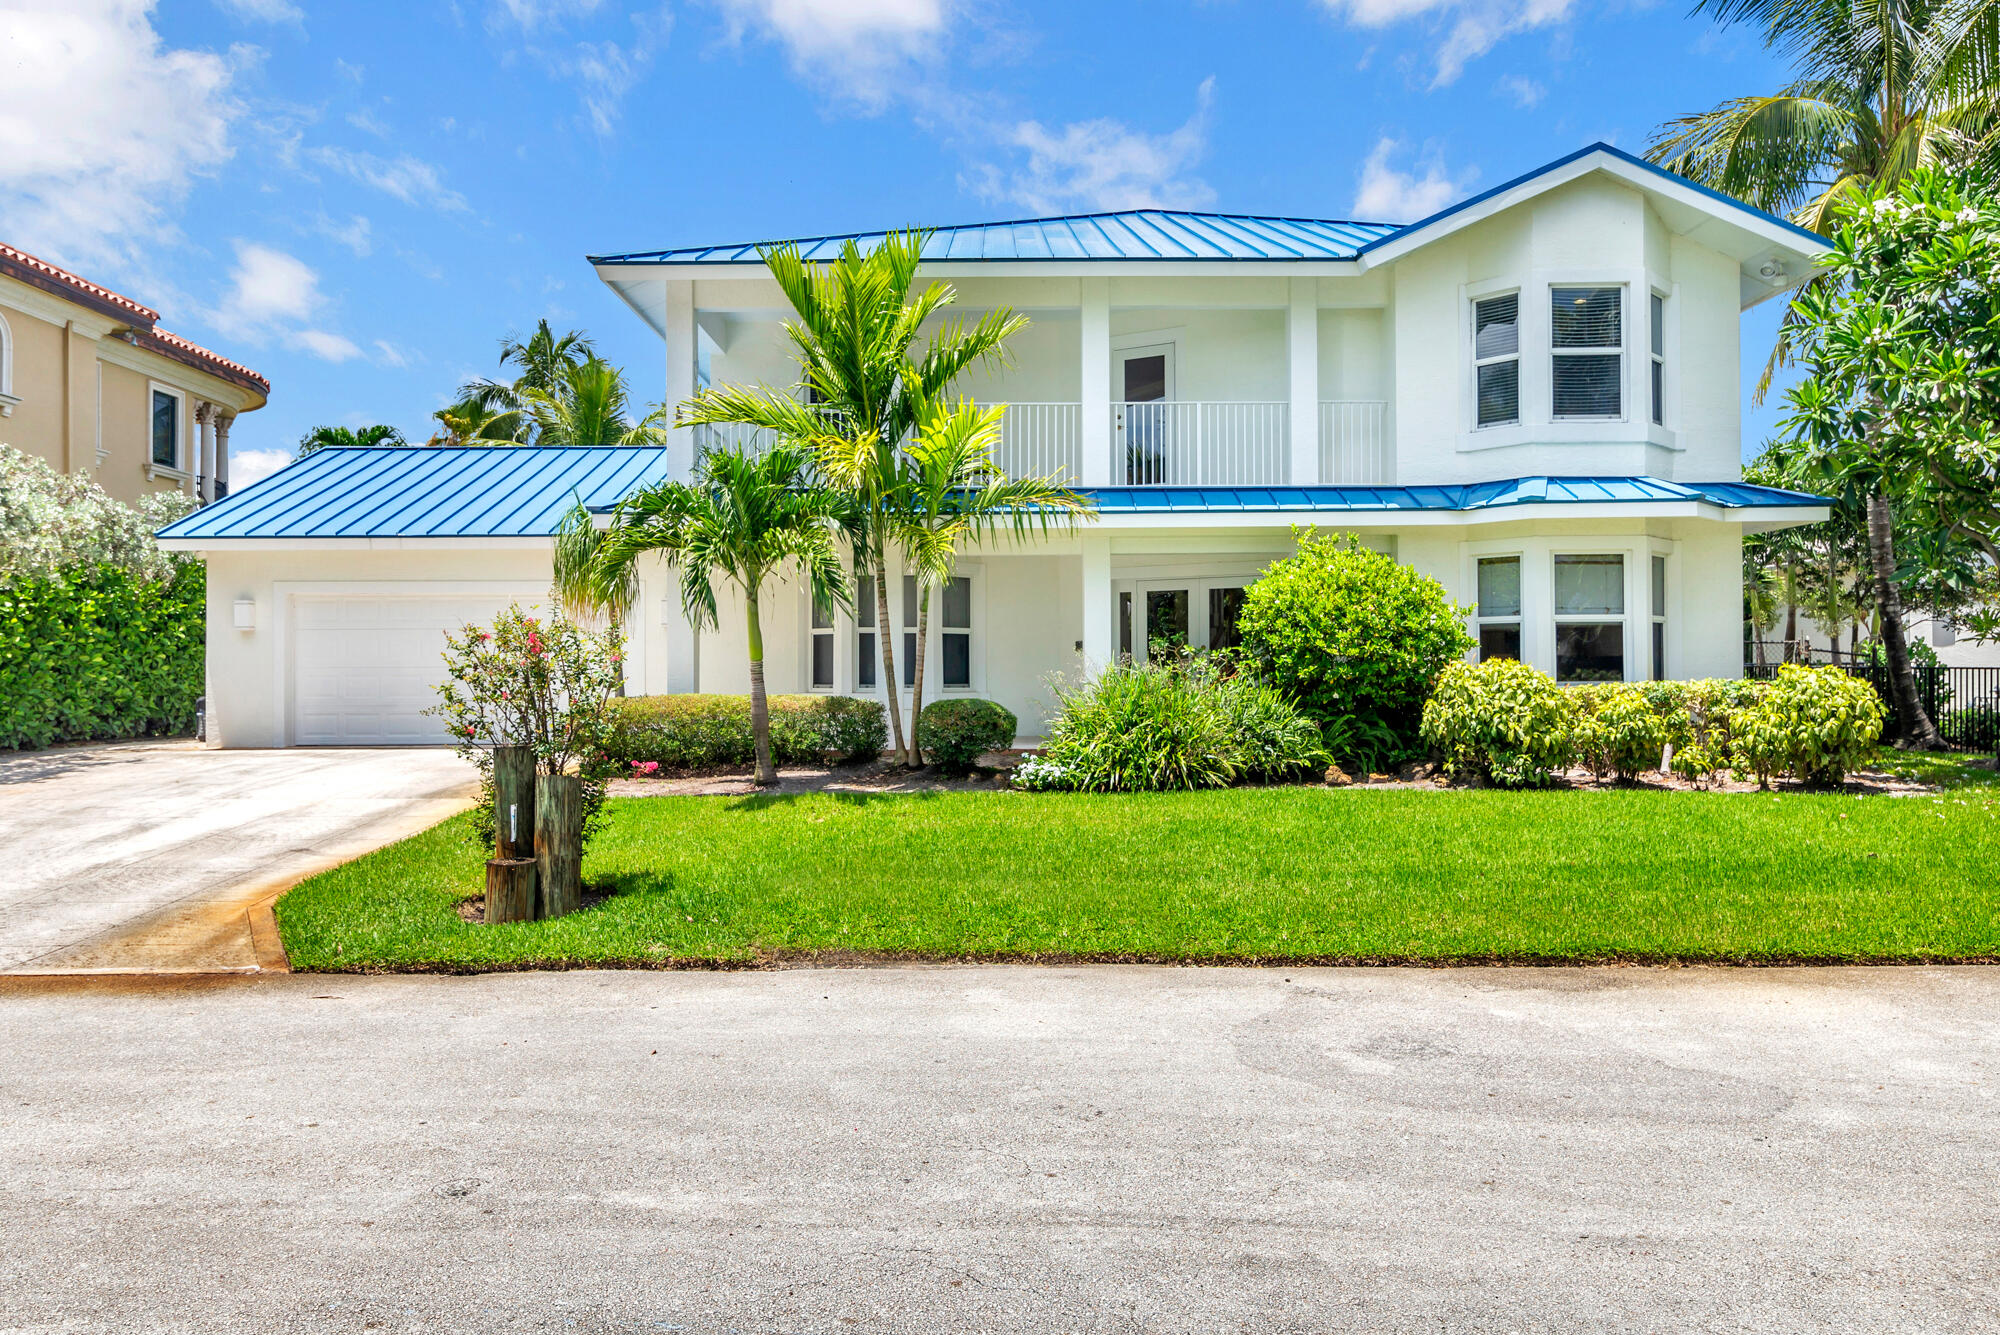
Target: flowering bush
540, 682
53, 523
1039, 774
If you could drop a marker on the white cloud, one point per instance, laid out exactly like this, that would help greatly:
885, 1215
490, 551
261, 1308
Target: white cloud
389, 354
855, 48
263, 11
1387, 194
608, 70
1104, 164
276, 295
368, 122
1467, 29
103, 127
248, 466
323, 345
357, 233
1524, 92
409, 179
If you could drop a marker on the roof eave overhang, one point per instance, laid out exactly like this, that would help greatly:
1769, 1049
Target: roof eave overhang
457, 542
1766, 517
616, 274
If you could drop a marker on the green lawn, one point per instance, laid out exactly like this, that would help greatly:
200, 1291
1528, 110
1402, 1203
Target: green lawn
1245, 874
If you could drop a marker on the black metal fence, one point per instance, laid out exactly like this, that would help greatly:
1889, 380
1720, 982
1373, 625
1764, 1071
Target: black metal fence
1964, 702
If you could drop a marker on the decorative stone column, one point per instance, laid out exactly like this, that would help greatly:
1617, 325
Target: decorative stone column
204, 468
220, 484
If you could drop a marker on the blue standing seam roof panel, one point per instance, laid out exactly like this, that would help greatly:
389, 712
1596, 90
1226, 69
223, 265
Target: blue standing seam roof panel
419, 492
1459, 498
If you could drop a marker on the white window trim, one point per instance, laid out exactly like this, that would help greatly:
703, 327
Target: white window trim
179, 471
1669, 550
1479, 618
847, 646
1474, 294
807, 633
1623, 352
1634, 555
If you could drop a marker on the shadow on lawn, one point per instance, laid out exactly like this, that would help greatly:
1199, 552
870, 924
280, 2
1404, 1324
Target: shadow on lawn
845, 797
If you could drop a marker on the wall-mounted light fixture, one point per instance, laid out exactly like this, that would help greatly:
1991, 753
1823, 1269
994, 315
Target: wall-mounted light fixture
1770, 271
246, 614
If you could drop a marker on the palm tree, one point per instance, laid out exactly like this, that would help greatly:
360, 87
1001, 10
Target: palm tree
587, 403
744, 518
1879, 89
855, 329
952, 492
470, 422
349, 438
541, 359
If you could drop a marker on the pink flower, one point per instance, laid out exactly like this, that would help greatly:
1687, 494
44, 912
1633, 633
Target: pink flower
534, 642
645, 767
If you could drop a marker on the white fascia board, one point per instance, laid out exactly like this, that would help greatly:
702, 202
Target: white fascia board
1774, 517
615, 273
355, 544
1402, 243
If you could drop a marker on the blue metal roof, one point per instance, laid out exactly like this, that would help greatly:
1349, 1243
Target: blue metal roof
1465, 497
1166, 234
1132, 234
418, 492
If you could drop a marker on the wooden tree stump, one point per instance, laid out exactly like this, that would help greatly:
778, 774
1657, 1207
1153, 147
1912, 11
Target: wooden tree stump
510, 890
514, 801
559, 843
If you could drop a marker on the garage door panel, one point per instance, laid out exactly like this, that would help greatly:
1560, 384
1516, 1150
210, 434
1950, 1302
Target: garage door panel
366, 666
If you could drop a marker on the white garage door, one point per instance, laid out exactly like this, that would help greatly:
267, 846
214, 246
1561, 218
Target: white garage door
364, 666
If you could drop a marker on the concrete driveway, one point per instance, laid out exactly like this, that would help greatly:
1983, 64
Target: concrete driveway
993, 1149
149, 855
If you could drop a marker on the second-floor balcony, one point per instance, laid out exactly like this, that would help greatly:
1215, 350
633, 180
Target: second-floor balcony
1178, 443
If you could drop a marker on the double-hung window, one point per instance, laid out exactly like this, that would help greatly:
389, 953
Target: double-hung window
956, 640
822, 644
1658, 322
166, 429
1496, 358
1499, 609
1590, 612
1587, 352
909, 630
1659, 618
867, 656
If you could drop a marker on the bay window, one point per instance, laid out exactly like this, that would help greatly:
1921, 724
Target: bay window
1589, 619
1499, 607
1587, 352
1496, 358
1659, 618
1659, 348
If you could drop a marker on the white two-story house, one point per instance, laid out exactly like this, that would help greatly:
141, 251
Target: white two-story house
1533, 397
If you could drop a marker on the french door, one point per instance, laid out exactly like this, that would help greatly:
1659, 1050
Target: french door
1158, 618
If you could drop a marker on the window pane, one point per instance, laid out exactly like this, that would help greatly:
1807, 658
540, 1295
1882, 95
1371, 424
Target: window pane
910, 660
957, 659
958, 601
909, 600
1589, 584
166, 429
1496, 326
1588, 386
1166, 619
1590, 651
822, 614
1659, 651
1500, 586
823, 662
864, 600
1499, 393
1224, 606
865, 659
1659, 586
1659, 326
1659, 395
1146, 378
1500, 640
1585, 317
1125, 624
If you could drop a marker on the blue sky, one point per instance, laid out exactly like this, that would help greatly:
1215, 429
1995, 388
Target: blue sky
361, 199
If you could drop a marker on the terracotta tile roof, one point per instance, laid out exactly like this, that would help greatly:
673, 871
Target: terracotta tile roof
39, 273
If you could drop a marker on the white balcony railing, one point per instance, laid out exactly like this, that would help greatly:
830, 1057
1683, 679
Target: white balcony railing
1354, 449
732, 435
1041, 440
1191, 443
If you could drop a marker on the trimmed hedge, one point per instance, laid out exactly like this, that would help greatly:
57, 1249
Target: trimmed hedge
688, 733
953, 734
101, 653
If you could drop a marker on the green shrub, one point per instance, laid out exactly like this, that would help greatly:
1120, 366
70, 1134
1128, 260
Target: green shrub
1347, 632
1813, 723
1620, 730
1501, 721
100, 653
688, 733
1142, 728
953, 734
1276, 742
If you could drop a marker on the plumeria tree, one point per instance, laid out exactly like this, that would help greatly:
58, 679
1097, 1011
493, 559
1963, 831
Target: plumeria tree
1901, 396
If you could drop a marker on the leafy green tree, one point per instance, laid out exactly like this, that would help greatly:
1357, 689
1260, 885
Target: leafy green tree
952, 493
1878, 90
743, 519
587, 403
1901, 397
864, 386
349, 438
471, 422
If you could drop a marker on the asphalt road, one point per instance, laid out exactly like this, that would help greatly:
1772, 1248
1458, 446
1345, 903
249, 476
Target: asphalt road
954, 1149
147, 855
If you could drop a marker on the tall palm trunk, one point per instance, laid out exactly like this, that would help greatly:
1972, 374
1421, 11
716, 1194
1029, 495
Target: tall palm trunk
889, 682
1917, 729
917, 692
760, 707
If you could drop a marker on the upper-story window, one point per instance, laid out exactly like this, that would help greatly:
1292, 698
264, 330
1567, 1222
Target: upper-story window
1496, 358
166, 429
1659, 335
1587, 352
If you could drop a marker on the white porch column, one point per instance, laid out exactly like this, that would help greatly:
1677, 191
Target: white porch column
1303, 342
683, 676
204, 416
1095, 349
223, 421
1099, 643
680, 341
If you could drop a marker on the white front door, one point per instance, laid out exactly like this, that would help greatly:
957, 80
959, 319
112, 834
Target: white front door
364, 667
1144, 423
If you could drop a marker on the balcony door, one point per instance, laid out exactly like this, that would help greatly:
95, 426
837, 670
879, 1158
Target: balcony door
1145, 386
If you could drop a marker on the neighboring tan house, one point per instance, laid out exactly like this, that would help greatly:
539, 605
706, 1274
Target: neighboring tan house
91, 384
1533, 397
